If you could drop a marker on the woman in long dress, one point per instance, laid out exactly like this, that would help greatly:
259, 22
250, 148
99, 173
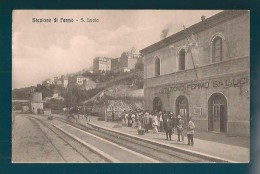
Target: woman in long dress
155, 122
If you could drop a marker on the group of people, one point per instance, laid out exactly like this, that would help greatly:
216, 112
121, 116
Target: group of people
160, 121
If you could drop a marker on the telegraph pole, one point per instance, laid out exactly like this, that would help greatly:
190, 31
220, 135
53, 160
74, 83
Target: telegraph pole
189, 50
194, 65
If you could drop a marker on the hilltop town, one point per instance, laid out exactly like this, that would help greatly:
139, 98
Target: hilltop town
109, 79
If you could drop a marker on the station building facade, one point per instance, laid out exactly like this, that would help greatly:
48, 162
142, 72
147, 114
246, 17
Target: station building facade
211, 82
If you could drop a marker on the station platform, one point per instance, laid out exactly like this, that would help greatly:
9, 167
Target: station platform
230, 149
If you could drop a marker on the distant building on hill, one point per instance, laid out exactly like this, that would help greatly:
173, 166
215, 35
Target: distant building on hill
59, 82
65, 82
55, 96
76, 80
81, 82
101, 64
47, 82
124, 63
115, 64
55, 80
62, 82
88, 84
128, 60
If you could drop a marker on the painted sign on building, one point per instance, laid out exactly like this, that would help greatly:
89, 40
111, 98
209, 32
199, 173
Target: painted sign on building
229, 82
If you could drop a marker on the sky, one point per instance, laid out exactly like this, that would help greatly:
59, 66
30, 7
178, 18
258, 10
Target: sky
44, 50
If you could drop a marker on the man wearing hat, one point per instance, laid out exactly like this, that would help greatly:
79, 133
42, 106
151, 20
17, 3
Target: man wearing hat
180, 123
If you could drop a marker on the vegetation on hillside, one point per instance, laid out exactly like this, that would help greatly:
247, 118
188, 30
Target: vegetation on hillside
22, 93
73, 96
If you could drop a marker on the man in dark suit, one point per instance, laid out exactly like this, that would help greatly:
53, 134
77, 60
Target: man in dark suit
164, 117
169, 127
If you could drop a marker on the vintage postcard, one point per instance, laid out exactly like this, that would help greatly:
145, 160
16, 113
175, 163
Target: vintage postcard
130, 86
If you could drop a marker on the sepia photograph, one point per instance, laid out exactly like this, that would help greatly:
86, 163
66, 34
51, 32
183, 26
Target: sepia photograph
130, 86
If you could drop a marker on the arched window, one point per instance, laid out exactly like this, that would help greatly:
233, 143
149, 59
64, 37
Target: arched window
217, 50
182, 60
157, 67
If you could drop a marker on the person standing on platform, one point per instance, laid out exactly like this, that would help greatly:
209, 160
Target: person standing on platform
130, 119
133, 116
190, 132
169, 127
141, 118
113, 115
122, 116
137, 119
161, 121
86, 116
180, 124
146, 121
174, 120
164, 117
155, 122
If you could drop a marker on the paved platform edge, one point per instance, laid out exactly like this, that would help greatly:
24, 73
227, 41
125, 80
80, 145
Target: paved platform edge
186, 151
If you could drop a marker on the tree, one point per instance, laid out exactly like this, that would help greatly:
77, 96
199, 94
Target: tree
139, 66
88, 75
22, 93
69, 99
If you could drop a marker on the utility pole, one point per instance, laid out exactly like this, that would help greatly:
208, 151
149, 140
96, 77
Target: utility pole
189, 50
105, 111
194, 64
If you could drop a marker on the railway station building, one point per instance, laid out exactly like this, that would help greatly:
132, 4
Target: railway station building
203, 72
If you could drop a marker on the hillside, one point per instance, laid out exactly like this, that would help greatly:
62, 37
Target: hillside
123, 93
115, 100
125, 89
22, 93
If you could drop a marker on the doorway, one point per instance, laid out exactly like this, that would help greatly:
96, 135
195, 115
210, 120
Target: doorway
157, 104
182, 107
217, 120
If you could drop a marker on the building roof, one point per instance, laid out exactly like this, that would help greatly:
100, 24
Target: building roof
198, 27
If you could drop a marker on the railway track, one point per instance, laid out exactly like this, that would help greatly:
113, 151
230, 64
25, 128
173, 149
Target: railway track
81, 152
153, 151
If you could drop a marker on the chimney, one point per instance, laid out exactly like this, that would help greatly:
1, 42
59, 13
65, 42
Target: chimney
203, 18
